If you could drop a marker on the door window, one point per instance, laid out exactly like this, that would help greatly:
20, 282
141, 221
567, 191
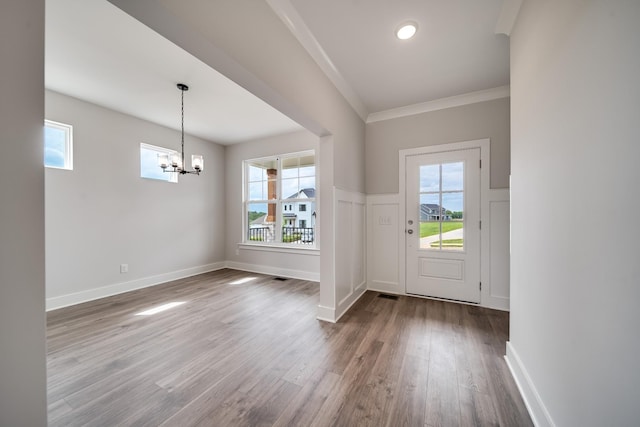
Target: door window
442, 206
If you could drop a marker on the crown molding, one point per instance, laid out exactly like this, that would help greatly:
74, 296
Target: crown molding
508, 16
285, 10
441, 104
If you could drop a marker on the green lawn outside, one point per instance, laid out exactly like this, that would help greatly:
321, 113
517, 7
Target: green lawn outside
432, 228
451, 243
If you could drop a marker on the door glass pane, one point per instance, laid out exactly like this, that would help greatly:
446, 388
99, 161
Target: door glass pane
452, 176
452, 221
429, 219
429, 178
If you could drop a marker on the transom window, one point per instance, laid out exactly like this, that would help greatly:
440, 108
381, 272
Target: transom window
280, 199
58, 145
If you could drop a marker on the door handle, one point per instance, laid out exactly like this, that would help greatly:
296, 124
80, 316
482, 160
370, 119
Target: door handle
410, 231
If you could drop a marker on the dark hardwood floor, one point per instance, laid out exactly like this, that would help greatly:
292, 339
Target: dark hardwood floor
254, 354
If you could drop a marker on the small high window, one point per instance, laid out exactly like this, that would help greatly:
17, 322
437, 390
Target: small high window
58, 144
149, 163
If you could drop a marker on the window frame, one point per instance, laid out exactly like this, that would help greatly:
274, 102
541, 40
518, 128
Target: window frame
280, 202
68, 144
173, 176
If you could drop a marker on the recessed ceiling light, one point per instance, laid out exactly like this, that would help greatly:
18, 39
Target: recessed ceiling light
406, 30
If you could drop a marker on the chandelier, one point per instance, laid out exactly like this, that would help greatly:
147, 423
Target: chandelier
175, 162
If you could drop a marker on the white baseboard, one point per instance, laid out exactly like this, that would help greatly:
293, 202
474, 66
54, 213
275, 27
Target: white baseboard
386, 291
346, 303
61, 301
332, 315
538, 412
274, 271
326, 314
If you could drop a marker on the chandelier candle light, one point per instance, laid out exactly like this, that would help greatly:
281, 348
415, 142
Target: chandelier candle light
177, 160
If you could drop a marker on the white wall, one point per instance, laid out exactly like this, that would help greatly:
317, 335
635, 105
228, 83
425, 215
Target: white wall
23, 399
575, 289
102, 214
270, 62
304, 264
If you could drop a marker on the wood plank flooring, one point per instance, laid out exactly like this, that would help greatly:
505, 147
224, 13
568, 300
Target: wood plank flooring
253, 354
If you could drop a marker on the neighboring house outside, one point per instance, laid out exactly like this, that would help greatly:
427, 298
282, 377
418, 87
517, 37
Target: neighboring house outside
432, 212
300, 213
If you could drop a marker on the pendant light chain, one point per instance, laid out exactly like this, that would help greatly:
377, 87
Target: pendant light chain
197, 161
182, 126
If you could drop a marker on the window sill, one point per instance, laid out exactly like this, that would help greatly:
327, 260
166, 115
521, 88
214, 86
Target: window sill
278, 248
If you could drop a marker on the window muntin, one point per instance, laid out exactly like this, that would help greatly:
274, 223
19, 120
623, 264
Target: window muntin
149, 163
58, 145
279, 200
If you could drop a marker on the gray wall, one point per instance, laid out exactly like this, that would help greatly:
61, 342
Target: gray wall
235, 155
384, 139
22, 265
102, 214
575, 273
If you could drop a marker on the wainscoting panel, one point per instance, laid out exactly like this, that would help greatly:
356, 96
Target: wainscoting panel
383, 243
385, 240
496, 243
499, 271
350, 243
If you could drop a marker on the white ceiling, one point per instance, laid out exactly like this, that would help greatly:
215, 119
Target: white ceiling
98, 53
455, 51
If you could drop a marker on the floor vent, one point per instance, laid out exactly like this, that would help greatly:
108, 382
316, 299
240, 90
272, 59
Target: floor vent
387, 296
280, 279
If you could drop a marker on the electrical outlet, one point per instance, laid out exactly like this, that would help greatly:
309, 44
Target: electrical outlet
237, 251
124, 268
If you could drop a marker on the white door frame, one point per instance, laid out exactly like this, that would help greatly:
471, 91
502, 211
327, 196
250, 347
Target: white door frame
485, 178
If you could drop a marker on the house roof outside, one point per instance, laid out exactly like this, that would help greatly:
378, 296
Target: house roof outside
430, 207
309, 193
259, 221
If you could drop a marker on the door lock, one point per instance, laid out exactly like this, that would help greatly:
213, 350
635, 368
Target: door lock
410, 231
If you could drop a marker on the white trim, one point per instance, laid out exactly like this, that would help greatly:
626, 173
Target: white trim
537, 410
274, 271
326, 314
291, 249
508, 16
68, 143
349, 301
486, 295
61, 301
441, 104
285, 10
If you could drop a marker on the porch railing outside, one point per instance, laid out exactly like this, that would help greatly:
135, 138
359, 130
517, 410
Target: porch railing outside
297, 235
261, 234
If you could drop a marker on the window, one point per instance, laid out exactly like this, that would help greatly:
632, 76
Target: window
273, 188
442, 206
149, 163
58, 144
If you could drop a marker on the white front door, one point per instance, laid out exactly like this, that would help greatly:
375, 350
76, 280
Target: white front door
443, 225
